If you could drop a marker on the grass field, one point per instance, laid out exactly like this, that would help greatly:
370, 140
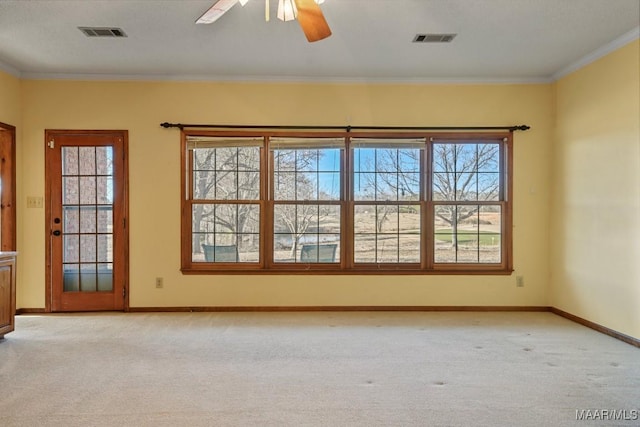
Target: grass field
486, 237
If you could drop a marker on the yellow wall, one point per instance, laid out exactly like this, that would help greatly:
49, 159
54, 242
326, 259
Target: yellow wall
10, 99
595, 218
140, 107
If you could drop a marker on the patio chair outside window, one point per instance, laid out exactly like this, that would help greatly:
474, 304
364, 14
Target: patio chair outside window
220, 253
318, 253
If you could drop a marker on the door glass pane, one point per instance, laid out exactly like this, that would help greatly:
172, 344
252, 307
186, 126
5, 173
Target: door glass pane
87, 160
87, 223
88, 278
69, 160
88, 190
71, 278
88, 219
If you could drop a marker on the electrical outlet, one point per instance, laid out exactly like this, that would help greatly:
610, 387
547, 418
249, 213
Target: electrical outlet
520, 281
159, 282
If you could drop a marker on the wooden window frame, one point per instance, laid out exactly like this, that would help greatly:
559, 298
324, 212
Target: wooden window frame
346, 265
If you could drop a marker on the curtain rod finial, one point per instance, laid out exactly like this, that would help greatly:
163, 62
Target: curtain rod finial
168, 125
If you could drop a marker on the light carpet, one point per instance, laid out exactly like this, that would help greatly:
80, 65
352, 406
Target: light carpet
314, 369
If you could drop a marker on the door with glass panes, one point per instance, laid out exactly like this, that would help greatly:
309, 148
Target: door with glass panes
86, 210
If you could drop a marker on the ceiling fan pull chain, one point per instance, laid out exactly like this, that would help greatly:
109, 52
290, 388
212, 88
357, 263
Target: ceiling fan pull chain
266, 10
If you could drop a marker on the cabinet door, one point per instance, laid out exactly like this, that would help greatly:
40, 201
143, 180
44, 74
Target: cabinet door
7, 296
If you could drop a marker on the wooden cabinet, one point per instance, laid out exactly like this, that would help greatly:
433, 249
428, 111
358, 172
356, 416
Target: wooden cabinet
7, 292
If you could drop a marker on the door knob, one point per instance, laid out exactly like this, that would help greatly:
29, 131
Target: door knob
56, 232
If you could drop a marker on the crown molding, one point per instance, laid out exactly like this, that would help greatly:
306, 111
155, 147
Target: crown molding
11, 70
597, 54
284, 79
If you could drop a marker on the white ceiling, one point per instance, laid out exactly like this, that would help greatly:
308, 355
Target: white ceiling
498, 40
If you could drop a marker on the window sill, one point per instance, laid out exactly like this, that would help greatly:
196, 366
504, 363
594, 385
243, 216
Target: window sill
382, 271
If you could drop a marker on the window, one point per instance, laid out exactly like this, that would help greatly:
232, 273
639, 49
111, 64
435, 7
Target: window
468, 192
346, 202
224, 200
307, 197
386, 200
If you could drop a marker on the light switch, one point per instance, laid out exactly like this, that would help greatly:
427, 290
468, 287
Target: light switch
34, 202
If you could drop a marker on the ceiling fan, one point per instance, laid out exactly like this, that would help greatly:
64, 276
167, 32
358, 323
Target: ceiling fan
307, 12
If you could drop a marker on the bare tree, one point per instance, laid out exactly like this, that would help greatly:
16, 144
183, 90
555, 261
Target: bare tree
462, 172
225, 174
292, 184
231, 174
458, 178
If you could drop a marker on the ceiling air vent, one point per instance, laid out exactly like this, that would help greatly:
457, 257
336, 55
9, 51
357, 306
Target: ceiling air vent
102, 32
433, 38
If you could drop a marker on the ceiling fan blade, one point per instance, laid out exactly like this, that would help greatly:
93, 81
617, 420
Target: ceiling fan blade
218, 9
312, 20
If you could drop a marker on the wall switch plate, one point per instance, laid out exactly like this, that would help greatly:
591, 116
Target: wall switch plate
34, 202
159, 282
520, 281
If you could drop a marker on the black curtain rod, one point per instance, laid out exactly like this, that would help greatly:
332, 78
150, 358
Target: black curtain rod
181, 126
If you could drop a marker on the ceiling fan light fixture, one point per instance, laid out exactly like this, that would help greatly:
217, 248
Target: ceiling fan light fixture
287, 10
244, 2
317, 1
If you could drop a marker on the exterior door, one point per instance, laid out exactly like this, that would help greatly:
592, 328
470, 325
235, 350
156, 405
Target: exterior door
86, 213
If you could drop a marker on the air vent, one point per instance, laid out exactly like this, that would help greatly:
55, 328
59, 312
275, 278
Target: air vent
102, 32
433, 38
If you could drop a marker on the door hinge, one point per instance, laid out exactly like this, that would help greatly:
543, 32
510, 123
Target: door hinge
124, 292
124, 222
51, 144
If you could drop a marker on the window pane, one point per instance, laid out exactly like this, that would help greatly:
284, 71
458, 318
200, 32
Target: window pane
387, 248
465, 157
226, 159
70, 191
387, 233
105, 219
248, 185
69, 160
306, 186
104, 160
87, 190
365, 248
489, 157
87, 160
329, 185
228, 173
490, 226
409, 247
466, 186
301, 233
249, 159
466, 171
364, 186
88, 219
71, 216
306, 174
105, 190
386, 173
489, 186
225, 233
226, 185
467, 234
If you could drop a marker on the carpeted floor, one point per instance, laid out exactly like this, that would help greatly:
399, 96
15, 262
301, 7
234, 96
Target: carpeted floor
315, 369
